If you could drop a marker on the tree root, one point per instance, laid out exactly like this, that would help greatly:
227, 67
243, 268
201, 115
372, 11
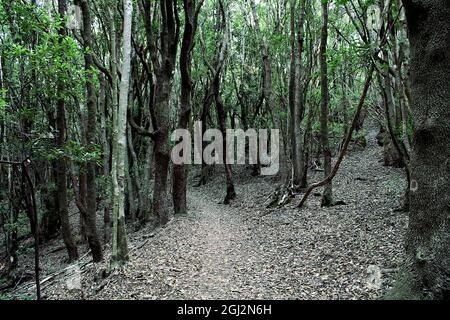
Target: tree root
281, 198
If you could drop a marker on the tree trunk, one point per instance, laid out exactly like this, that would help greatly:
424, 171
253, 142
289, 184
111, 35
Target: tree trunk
222, 119
119, 244
426, 269
50, 218
292, 94
327, 197
162, 157
11, 237
296, 99
270, 101
207, 101
179, 175
82, 189
91, 198
164, 74
106, 160
221, 113
61, 166
392, 154
133, 174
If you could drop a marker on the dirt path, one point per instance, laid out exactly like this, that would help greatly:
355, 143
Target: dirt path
243, 251
219, 237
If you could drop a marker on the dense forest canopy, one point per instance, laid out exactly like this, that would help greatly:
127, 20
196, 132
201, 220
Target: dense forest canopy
92, 91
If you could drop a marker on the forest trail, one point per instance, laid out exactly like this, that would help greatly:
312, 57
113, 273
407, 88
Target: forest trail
99, 103
220, 237
245, 251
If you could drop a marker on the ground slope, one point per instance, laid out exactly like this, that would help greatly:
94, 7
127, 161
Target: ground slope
245, 251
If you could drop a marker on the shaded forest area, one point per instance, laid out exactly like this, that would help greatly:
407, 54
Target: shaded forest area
92, 205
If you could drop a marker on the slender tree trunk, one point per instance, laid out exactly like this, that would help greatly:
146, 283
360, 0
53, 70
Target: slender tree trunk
425, 271
327, 197
346, 143
106, 160
221, 113
296, 98
392, 152
222, 119
50, 219
204, 118
270, 101
91, 199
82, 189
82, 184
119, 246
134, 177
30, 201
61, 166
292, 94
12, 244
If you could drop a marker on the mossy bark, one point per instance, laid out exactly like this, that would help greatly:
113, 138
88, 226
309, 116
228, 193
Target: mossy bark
425, 273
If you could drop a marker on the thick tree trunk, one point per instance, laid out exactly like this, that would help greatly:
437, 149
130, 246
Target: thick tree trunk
179, 175
426, 269
61, 166
164, 73
91, 198
162, 156
327, 197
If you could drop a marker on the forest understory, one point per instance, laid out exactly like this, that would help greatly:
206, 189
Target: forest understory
246, 251
225, 149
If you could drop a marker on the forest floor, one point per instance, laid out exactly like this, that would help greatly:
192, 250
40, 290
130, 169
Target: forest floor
246, 251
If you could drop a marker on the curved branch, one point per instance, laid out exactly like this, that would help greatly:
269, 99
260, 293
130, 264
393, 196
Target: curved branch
348, 138
141, 131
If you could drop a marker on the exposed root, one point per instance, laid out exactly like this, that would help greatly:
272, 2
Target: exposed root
281, 198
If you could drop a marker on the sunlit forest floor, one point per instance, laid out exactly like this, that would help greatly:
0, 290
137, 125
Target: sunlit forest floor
246, 251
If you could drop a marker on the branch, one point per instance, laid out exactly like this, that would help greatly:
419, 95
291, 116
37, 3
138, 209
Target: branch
97, 60
139, 129
346, 142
